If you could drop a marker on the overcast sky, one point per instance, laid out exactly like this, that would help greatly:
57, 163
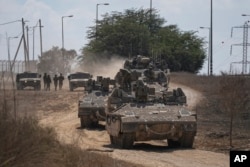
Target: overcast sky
189, 15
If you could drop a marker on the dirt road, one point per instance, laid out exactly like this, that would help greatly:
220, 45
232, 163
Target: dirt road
60, 112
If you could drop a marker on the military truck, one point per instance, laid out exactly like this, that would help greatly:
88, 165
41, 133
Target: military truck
78, 79
28, 79
142, 116
91, 107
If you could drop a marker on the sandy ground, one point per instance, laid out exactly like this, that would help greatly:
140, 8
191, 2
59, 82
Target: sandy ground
60, 111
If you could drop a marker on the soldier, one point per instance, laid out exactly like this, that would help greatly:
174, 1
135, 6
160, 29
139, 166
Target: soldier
48, 82
141, 92
105, 84
60, 79
55, 79
90, 85
44, 81
125, 79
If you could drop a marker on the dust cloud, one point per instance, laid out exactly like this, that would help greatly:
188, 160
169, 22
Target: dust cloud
101, 67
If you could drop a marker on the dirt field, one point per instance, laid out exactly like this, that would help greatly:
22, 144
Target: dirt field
58, 109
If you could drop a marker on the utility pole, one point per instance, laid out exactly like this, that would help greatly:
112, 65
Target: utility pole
27, 35
26, 56
209, 49
150, 23
211, 39
41, 42
96, 21
150, 9
245, 44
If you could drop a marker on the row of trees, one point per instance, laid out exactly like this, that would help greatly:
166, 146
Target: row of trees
133, 32
142, 32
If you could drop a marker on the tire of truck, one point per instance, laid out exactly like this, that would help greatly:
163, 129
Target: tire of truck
173, 144
187, 140
124, 140
21, 87
112, 140
37, 87
71, 88
85, 122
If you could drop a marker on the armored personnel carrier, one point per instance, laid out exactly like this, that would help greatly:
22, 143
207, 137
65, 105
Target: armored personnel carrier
91, 108
28, 79
78, 79
142, 116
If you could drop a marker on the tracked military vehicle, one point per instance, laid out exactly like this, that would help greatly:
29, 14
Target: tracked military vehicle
143, 116
28, 79
91, 108
78, 79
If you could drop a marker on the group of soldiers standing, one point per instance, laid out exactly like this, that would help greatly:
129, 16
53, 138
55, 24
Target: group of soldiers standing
58, 80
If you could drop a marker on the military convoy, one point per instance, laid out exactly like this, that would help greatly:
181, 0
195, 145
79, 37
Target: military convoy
28, 79
140, 108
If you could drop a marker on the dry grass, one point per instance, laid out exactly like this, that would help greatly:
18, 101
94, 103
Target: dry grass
24, 143
223, 95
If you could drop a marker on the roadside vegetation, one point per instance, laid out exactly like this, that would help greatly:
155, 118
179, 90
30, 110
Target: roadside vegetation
24, 143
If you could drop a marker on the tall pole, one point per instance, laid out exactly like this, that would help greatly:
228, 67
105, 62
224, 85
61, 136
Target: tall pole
209, 49
63, 35
41, 43
150, 8
209, 53
62, 38
8, 46
34, 42
96, 21
211, 39
150, 24
26, 58
27, 31
63, 57
245, 43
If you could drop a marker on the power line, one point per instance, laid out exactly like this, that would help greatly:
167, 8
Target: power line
10, 22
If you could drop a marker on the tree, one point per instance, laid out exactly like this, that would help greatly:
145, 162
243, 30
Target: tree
52, 61
137, 32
